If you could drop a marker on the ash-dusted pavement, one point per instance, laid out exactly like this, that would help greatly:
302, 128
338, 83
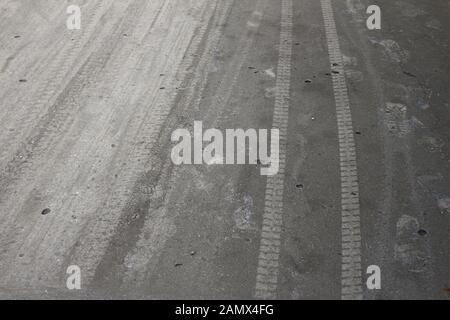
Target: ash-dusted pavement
87, 179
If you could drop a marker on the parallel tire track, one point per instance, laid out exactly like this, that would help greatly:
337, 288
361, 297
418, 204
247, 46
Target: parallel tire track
34, 108
351, 278
144, 126
269, 250
62, 118
39, 146
191, 75
119, 108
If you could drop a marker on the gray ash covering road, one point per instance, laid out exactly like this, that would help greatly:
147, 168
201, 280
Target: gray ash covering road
86, 176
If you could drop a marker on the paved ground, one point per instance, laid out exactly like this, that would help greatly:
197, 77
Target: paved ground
86, 118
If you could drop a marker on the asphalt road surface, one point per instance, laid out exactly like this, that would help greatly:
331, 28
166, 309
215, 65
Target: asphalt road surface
88, 187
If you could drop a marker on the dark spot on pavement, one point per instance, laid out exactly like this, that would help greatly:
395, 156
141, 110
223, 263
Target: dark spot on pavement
409, 74
178, 265
422, 232
23, 80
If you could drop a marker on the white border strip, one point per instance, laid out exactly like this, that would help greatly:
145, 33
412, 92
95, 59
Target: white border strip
269, 250
351, 279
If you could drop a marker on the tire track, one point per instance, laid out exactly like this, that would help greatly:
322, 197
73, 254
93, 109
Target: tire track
25, 117
137, 261
351, 277
143, 127
37, 151
100, 58
269, 250
99, 146
223, 94
140, 262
